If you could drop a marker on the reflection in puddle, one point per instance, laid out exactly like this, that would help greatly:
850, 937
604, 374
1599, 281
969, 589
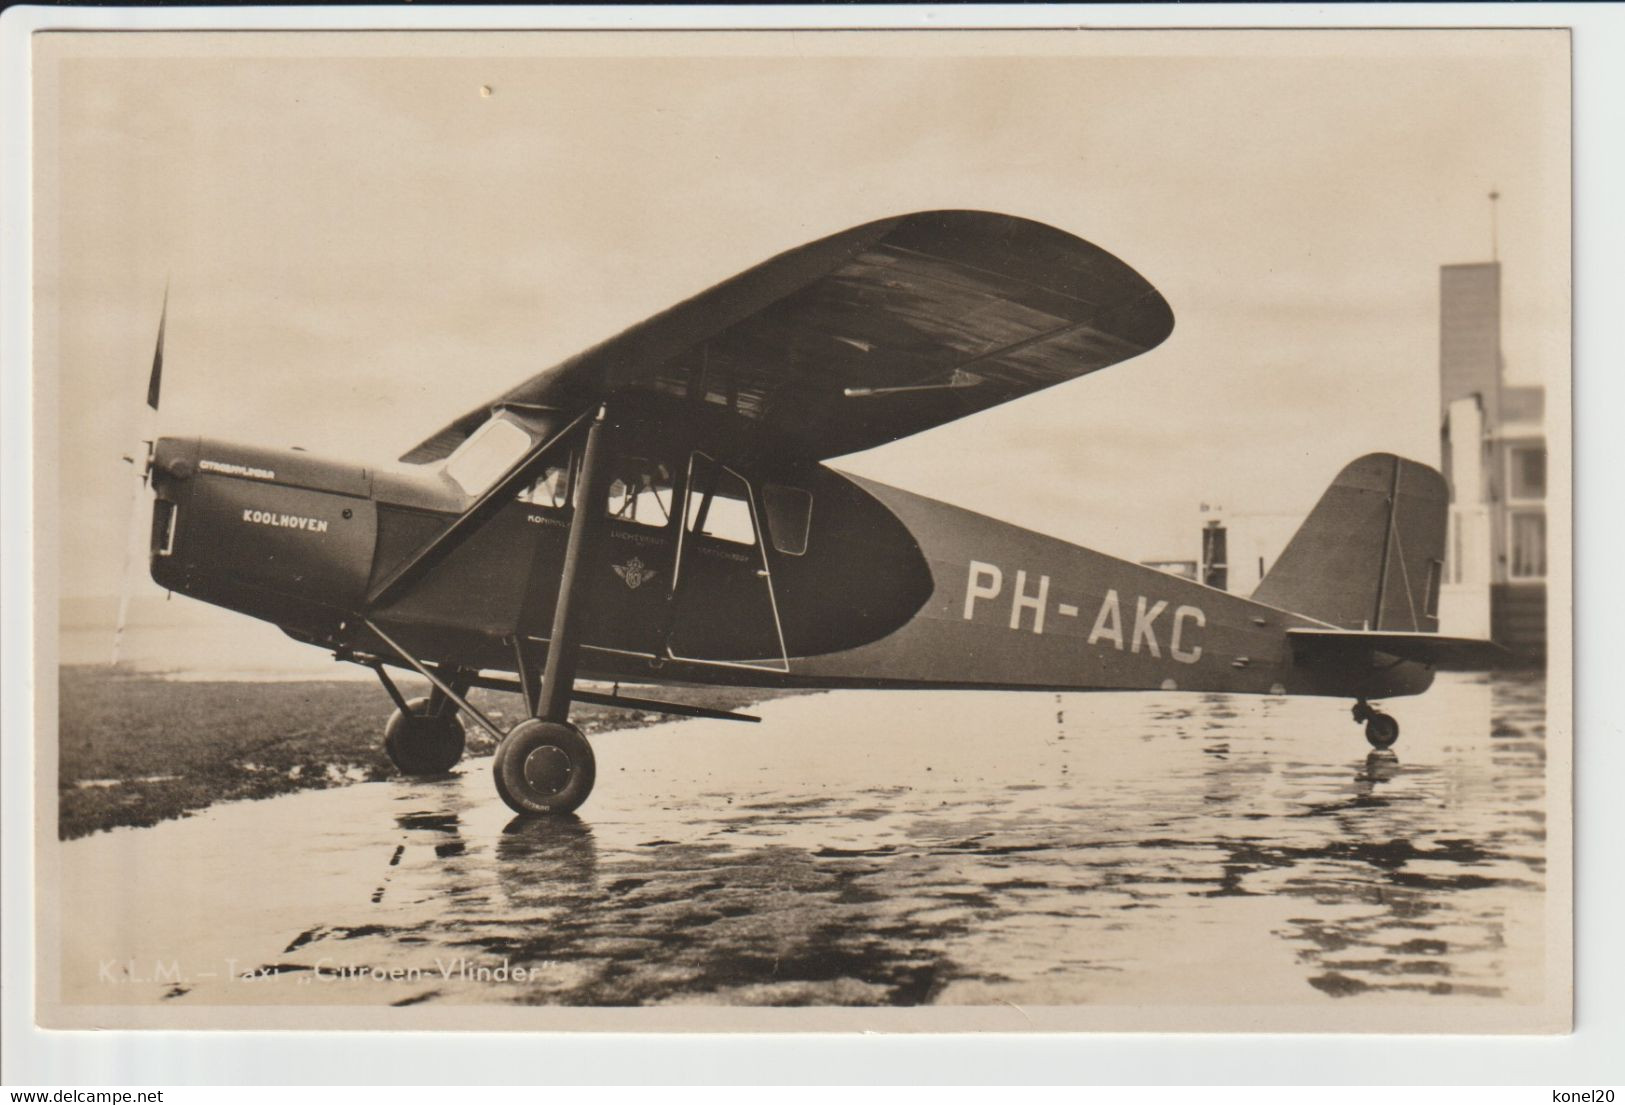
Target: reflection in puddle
884, 849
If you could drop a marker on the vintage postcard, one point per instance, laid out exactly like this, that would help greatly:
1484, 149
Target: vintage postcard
746, 530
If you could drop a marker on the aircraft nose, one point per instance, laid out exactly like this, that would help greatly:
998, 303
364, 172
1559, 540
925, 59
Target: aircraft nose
173, 459
260, 530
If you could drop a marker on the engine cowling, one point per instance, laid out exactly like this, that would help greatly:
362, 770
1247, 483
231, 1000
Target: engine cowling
279, 535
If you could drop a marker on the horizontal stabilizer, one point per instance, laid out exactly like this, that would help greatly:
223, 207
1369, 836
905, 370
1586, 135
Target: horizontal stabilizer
1466, 653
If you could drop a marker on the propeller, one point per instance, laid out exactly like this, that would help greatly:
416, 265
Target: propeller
145, 438
156, 378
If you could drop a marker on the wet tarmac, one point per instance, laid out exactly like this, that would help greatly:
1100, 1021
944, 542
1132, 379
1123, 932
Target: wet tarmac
876, 848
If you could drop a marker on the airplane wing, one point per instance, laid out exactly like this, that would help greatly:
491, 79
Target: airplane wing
868, 336
1465, 653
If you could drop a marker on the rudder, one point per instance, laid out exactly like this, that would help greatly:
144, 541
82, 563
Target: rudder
1370, 555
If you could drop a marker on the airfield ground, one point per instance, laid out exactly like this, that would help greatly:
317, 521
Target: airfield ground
1152, 858
139, 749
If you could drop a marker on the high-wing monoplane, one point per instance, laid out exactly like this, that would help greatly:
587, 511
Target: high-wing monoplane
658, 510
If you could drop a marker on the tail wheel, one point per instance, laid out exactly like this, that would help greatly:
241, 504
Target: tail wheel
544, 767
1381, 731
419, 742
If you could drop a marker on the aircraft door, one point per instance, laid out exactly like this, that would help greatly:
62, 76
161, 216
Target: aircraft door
723, 607
628, 577
637, 553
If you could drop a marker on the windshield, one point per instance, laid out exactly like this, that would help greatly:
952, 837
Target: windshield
481, 460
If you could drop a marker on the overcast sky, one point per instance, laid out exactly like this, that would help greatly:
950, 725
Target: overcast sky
360, 242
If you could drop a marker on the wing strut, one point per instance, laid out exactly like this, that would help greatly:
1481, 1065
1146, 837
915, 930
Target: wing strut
559, 672
550, 701
466, 524
543, 765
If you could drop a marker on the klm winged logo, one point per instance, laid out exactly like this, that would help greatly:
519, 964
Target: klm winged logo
634, 573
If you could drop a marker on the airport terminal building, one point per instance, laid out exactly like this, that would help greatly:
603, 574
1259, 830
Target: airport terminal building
1492, 453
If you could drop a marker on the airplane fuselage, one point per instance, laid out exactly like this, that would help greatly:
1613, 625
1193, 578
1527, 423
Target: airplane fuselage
825, 580
656, 509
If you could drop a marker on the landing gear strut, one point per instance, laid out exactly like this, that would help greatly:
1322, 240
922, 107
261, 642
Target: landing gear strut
544, 765
1381, 730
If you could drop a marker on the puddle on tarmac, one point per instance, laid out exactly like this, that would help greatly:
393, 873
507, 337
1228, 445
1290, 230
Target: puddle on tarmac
878, 848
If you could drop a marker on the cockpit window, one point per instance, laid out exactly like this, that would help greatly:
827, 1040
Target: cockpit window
551, 490
481, 460
641, 492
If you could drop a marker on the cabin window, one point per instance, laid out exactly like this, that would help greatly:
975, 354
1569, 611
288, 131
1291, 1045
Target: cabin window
719, 505
552, 490
641, 493
483, 459
789, 517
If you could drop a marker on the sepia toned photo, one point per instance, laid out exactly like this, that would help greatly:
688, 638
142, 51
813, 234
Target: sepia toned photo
782, 531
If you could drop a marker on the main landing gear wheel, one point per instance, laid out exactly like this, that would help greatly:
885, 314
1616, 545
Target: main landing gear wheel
1381, 731
544, 767
419, 742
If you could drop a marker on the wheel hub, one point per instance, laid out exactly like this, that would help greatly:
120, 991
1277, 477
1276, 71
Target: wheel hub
548, 769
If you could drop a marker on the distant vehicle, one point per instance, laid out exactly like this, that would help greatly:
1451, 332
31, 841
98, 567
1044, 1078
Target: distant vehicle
658, 509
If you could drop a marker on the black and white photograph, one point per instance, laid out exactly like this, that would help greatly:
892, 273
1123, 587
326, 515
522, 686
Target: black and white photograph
769, 531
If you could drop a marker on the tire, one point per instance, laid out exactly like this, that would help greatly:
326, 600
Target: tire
1381, 731
420, 744
544, 768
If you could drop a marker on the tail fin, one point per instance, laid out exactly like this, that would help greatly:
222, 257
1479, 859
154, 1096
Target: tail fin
1370, 555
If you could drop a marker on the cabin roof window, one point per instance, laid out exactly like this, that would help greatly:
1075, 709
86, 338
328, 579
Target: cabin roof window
487, 454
